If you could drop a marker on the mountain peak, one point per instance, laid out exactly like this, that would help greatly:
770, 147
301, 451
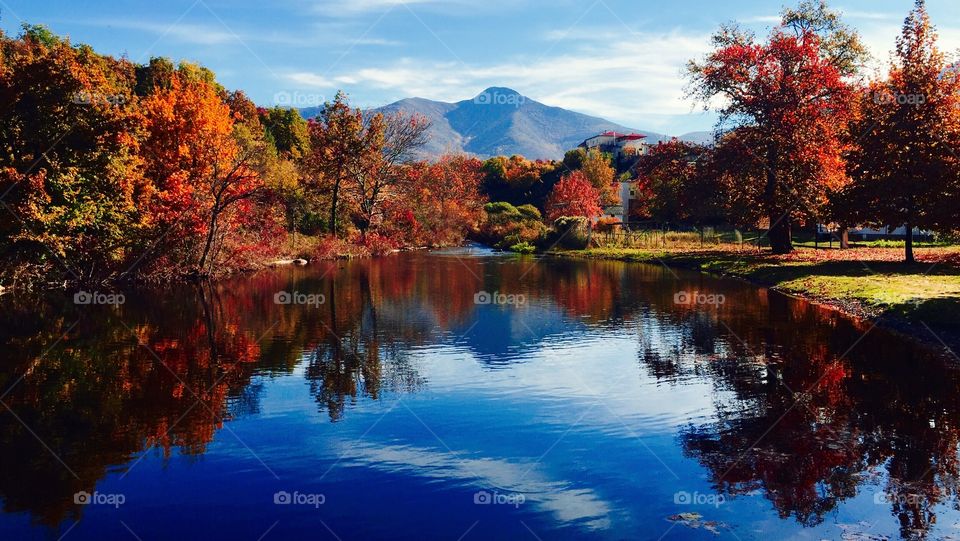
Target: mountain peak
502, 122
501, 90
499, 94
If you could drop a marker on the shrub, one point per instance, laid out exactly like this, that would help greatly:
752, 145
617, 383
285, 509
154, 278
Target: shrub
507, 225
523, 248
606, 224
571, 232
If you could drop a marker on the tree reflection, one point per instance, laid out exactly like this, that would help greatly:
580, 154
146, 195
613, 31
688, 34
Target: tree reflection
815, 409
111, 387
808, 410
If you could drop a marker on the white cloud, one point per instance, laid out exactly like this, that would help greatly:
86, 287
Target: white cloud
632, 80
355, 8
567, 504
311, 80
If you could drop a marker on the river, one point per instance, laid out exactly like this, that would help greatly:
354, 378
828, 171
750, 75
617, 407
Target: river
464, 394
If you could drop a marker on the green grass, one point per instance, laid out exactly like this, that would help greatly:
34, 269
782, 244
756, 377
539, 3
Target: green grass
915, 293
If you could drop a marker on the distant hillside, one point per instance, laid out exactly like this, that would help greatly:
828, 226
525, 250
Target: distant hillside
698, 137
500, 121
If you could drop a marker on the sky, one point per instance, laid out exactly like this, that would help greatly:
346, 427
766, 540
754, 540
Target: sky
622, 60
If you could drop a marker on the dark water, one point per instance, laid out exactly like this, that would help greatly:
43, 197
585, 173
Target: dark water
596, 407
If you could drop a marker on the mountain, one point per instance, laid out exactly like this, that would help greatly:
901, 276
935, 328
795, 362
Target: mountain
501, 121
698, 137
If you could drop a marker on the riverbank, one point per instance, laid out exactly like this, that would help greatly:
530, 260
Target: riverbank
921, 300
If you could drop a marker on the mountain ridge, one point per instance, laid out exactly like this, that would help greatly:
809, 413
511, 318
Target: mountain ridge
501, 121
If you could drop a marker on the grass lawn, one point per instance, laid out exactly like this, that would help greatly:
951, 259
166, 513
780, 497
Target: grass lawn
867, 281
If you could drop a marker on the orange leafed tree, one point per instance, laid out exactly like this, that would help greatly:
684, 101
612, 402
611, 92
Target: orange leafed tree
202, 162
440, 202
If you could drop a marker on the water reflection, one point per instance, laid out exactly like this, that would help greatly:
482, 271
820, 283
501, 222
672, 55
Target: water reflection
808, 407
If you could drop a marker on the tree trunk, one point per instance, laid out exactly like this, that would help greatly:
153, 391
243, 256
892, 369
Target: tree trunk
844, 238
333, 207
780, 234
210, 234
781, 238
909, 243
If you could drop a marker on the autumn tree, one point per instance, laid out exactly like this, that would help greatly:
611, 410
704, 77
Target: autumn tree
375, 172
336, 134
597, 167
574, 195
203, 159
905, 166
440, 201
668, 176
520, 181
287, 130
70, 176
795, 98
840, 44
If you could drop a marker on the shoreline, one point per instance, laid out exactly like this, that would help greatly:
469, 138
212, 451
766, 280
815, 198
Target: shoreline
905, 319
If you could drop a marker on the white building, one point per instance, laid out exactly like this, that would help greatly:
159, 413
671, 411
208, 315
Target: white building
618, 144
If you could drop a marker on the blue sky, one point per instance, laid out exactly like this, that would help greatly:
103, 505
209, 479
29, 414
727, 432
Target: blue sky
619, 59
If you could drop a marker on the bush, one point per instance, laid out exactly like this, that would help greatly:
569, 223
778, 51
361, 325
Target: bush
606, 224
530, 212
502, 208
507, 225
571, 232
523, 248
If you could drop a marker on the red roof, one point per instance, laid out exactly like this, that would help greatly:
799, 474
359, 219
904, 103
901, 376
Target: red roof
630, 136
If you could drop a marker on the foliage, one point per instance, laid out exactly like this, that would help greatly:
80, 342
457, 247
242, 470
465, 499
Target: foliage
523, 248
906, 168
571, 232
790, 103
506, 225
70, 167
116, 171
520, 181
574, 195
440, 203
597, 167
676, 185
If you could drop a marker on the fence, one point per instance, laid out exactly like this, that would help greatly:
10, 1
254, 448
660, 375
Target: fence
651, 236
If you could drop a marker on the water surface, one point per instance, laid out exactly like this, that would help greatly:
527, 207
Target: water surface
399, 404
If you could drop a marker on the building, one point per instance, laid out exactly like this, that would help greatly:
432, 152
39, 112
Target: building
618, 144
866, 234
624, 148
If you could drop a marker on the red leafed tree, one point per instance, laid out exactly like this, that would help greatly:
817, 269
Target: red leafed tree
795, 99
442, 198
666, 177
905, 165
574, 195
